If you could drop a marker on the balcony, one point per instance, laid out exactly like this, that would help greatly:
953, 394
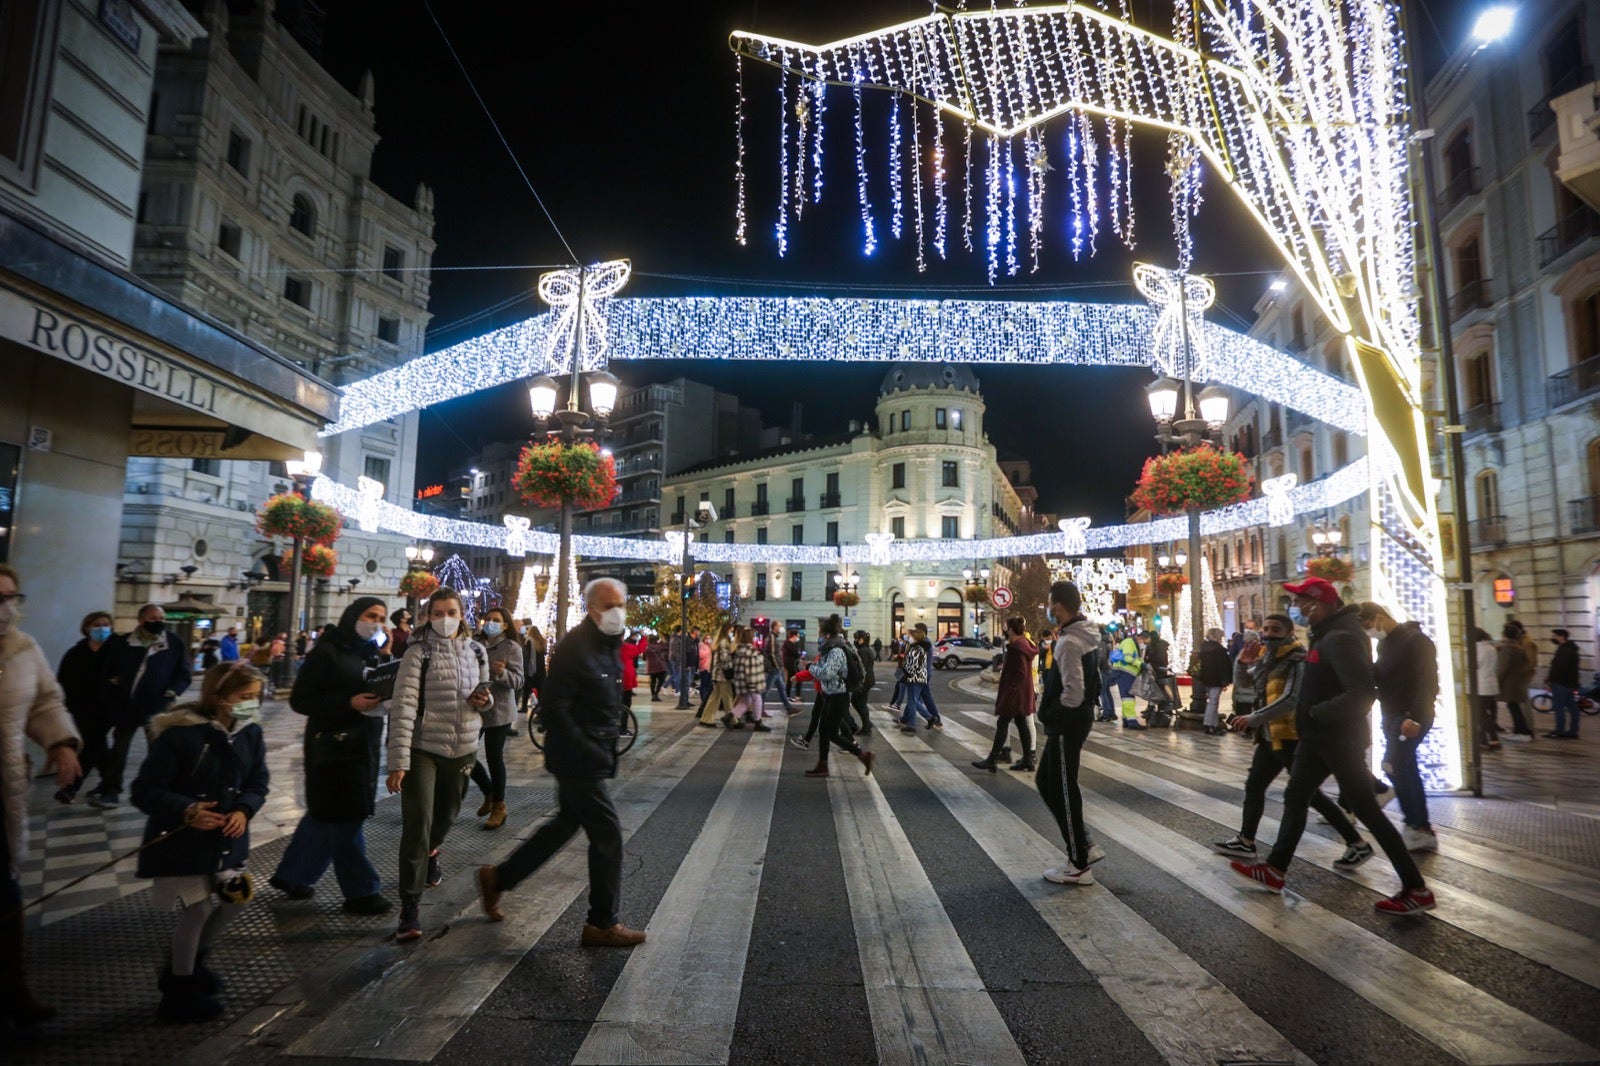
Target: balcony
1278, 572
1576, 382
1567, 234
1472, 296
831, 499
675, 519
1541, 117
795, 503
1272, 438
729, 511
1488, 532
760, 507
1584, 514
1482, 418
1458, 188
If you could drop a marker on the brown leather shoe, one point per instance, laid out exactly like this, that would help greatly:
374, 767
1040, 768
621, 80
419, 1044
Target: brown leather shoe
819, 770
489, 893
497, 817
867, 759
618, 936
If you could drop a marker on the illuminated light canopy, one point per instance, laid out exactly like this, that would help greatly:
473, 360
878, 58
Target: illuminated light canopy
573, 294
1173, 304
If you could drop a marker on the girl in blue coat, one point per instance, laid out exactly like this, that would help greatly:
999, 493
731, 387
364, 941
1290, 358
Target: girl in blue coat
204, 779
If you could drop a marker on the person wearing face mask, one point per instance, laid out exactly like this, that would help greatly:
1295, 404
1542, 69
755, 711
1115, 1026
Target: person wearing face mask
144, 672
343, 748
1407, 674
1067, 707
204, 779
435, 720
582, 710
1331, 720
504, 645
1562, 679
400, 636
80, 675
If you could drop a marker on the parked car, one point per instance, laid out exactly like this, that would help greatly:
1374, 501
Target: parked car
952, 653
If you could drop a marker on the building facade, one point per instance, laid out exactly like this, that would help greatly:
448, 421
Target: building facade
257, 210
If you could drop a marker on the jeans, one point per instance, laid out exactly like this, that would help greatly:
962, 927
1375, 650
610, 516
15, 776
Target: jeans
1213, 706
583, 803
858, 703
775, 681
1058, 782
1108, 697
1400, 756
897, 697
1344, 759
1489, 714
919, 700
656, 681
493, 779
1265, 766
675, 676
316, 844
1519, 721
703, 678
430, 799
1564, 701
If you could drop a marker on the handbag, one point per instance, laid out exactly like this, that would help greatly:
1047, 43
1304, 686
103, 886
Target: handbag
329, 747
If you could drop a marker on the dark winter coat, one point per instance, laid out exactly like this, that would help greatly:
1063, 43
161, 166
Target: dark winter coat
138, 677
342, 745
1014, 696
1338, 687
193, 759
1563, 665
869, 659
791, 655
1407, 674
581, 705
1216, 668
82, 676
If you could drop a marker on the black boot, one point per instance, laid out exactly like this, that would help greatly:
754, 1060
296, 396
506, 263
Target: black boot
183, 1001
1025, 763
988, 764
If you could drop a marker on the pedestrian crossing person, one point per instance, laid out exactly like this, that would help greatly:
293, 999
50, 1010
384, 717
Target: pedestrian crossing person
749, 681
720, 667
503, 644
1331, 719
860, 698
1275, 685
1013, 699
1407, 675
582, 712
80, 675
203, 781
1066, 715
434, 722
1126, 662
832, 673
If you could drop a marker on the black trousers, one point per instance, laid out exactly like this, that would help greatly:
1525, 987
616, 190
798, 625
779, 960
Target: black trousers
835, 710
583, 803
492, 781
1002, 727
656, 681
1344, 759
1267, 764
110, 759
1058, 782
858, 703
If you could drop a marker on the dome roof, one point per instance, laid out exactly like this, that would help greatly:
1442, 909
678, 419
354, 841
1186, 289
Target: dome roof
928, 376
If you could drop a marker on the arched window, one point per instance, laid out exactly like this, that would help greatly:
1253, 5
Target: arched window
1488, 494
303, 214
1477, 380
1593, 456
1307, 464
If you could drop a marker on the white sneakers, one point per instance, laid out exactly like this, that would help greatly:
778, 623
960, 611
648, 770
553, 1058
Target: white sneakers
1069, 875
1096, 853
1419, 839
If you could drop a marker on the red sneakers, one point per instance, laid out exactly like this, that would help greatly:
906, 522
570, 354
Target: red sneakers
1406, 901
1259, 874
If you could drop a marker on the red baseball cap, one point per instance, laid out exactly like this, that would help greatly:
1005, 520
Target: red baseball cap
1314, 588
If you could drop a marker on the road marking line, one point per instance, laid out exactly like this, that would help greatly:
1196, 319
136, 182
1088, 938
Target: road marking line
927, 1002
1460, 1019
424, 999
677, 998
1185, 1012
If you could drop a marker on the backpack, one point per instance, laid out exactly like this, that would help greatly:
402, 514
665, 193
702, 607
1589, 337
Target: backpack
855, 678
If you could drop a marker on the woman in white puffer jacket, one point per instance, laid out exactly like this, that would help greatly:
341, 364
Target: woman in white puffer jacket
434, 723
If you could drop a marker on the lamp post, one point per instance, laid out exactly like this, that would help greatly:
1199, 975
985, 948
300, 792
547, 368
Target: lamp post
1328, 542
1167, 565
418, 557
302, 472
846, 582
685, 586
977, 592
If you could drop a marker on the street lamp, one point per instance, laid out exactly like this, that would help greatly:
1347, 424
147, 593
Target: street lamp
977, 593
303, 472
845, 581
1327, 541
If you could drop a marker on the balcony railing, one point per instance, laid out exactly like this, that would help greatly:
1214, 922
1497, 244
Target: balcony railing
760, 507
1541, 116
728, 511
1567, 234
1482, 418
1470, 297
1582, 379
1458, 188
1278, 572
1488, 532
831, 499
795, 503
1585, 514
676, 519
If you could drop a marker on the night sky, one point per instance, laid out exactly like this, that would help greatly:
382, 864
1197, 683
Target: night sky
622, 116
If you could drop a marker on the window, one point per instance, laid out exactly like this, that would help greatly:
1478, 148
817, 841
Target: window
1477, 380
1469, 264
1458, 162
678, 516
1307, 466
1594, 467
727, 536
905, 421
897, 526
797, 488
303, 214
761, 493
939, 416
833, 534
952, 474
832, 485
376, 467
794, 586
1585, 327
897, 476
761, 583
955, 418
389, 330
727, 502
1488, 494
1341, 451
297, 291
229, 238
239, 152
24, 80
950, 527
394, 261
761, 535
211, 467
1563, 59
797, 534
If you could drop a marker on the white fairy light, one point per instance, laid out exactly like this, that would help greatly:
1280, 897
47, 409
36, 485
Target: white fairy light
878, 548
740, 221
528, 593
781, 227
1184, 642
896, 204
369, 494
1074, 535
1169, 339
1280, 508
573, 297
517, 528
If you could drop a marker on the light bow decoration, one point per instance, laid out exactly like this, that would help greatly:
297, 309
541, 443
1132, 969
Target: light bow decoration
366, 510
1299, 105
573, 294
1280, 507
1174, 300
1074, 535
517, 527
1099, 581
878, 548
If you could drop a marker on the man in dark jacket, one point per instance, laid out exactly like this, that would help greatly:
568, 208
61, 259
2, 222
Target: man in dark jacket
1216, 674
869, 678
581, 706
1407, 675
144, 672
1563, 682
1330, 718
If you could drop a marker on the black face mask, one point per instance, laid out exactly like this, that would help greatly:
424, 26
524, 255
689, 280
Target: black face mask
153, 628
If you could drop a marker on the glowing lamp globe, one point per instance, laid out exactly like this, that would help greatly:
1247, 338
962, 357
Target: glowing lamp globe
602, 393
1493, 24
1214, 405
1163, 399
542, 396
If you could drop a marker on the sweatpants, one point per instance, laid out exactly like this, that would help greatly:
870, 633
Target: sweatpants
1058, 782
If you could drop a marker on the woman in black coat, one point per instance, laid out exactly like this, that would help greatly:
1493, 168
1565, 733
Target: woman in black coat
81, 674
342, 749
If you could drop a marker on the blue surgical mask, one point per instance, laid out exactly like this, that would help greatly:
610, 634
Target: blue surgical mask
493, 629
99, 634
1298, 616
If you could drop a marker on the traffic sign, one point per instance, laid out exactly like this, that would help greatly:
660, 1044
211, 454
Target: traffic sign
1001, 597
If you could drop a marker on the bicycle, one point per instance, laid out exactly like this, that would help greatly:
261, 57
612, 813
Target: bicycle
1544, 704
626, 737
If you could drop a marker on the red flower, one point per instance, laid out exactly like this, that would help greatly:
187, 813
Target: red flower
1202, 477
551, 473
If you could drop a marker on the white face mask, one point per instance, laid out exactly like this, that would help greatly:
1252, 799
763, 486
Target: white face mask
613, 621
366, 630
446, 627
244, 712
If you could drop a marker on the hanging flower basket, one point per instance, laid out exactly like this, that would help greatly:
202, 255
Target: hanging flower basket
846, 599
318, 560
1203, 477
290, 515
977, 594
1170, 584
1331, 569
418, 584
551, 473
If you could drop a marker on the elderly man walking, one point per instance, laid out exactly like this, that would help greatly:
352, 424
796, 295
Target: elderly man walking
581, 706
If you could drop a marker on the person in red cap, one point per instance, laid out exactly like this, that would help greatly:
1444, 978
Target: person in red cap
1336, 694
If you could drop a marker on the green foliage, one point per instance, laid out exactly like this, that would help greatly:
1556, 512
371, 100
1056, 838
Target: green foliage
551, 473
1203, 477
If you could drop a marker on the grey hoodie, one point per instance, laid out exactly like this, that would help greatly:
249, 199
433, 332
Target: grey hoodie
1075, 640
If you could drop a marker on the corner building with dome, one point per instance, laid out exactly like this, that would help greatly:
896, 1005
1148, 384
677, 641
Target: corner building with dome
923, 468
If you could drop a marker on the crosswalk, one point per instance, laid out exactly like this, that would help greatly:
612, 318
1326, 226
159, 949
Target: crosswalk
1168, 958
